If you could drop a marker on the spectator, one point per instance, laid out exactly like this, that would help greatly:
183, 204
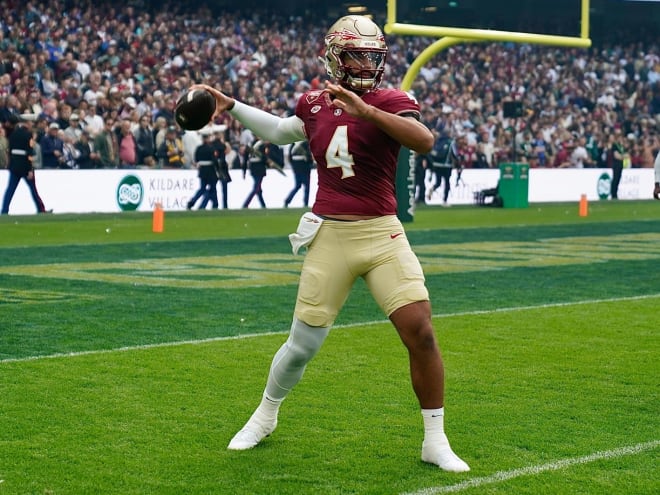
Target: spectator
582, 91
540, 151
85, 158
127, 145
92, 121
106, 148
160, 130
74, 130
580, 157
49, 111
10, 110
33, 104
563, 156
52, 148
69, 151
64, 116
144, 140
171, 150
48, 85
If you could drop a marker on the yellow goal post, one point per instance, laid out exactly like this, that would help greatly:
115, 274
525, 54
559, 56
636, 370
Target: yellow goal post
452, 35
448, 36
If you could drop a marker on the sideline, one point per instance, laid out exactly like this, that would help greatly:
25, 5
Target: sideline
533, 470
352, 325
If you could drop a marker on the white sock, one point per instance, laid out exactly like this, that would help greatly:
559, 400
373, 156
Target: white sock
268, 408
434, 426
436, 449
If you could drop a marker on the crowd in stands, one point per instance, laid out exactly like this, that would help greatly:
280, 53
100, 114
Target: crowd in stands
108, 77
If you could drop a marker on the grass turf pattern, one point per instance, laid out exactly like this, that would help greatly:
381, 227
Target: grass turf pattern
548, 324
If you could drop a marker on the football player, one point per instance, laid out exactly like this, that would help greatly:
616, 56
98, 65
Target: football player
355, 130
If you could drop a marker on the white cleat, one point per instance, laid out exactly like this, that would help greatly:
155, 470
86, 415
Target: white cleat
445, 458
251, 434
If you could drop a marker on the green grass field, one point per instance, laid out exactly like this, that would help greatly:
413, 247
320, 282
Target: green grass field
128, 359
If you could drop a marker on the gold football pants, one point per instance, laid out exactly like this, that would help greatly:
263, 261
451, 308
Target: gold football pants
376, 250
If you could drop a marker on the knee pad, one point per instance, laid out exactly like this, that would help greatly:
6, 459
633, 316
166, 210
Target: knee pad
305, 341
290, 361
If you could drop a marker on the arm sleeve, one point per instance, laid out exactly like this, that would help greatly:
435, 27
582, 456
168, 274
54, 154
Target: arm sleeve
277, 130
657, 167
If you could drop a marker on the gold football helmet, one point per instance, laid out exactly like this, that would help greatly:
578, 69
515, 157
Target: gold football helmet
355, 53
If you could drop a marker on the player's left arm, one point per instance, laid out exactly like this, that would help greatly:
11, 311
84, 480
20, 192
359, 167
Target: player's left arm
408, 131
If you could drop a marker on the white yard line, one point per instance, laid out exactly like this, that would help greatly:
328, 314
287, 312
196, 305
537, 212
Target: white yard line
359, 324
533, 470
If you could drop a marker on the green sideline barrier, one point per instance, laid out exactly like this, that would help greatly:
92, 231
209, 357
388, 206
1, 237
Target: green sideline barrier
405, 185
514, 185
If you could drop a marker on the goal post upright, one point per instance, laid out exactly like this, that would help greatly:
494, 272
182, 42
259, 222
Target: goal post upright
449, 36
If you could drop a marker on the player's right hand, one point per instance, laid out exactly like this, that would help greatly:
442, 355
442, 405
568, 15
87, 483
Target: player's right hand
222, 101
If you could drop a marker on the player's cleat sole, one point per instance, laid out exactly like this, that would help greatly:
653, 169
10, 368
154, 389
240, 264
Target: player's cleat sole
444, 458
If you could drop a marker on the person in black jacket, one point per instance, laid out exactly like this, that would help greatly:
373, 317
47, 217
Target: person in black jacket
221, 150
421, 166
85, 158
52, 148
257, 162
21, 151
301, 162
205, 161
443, 157
617, 153
146, 145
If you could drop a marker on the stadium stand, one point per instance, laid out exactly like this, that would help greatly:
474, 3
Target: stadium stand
119, 62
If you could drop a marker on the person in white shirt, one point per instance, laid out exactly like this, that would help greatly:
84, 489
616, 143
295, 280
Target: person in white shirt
93, 122
580, 156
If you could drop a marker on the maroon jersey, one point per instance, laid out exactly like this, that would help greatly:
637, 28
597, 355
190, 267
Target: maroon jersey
356, 160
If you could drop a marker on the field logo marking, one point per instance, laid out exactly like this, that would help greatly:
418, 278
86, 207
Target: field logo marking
501, 476
15, 296
272, 269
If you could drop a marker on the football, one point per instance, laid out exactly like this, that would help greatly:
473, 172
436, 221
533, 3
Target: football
194, 109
